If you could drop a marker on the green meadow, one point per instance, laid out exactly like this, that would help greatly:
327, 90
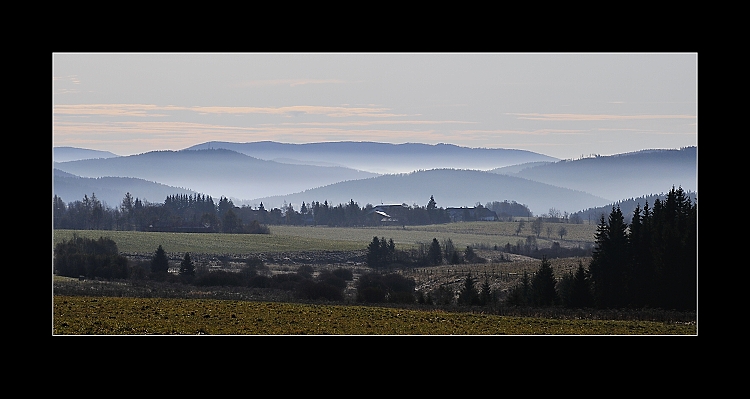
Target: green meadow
322, 238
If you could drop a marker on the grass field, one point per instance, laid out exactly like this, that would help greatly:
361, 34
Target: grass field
119, 314
309, 238
212, 243
79, 315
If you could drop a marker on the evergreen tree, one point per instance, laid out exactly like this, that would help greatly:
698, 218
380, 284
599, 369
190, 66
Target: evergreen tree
187, 268
470, 256
391, 253
455, 259
486, 296
374, 251
432, 205
159, 262
468, 294
610, 260
435, 254
641, 271
126, 207
543, 285
674, 246
231, 223
520, 295
580, 292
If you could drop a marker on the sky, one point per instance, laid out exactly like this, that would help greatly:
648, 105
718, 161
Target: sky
564, 105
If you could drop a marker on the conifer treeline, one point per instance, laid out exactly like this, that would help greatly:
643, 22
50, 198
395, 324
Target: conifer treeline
199, 213
653, 262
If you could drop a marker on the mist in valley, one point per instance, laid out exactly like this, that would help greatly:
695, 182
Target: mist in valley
279, 174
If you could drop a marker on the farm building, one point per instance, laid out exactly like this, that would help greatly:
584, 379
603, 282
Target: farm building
389, 213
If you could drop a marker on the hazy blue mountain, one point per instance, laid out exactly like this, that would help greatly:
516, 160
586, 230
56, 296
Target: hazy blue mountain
110, 190
621, 176
65, 154
513, 169
384, 157
450, 187
214, 172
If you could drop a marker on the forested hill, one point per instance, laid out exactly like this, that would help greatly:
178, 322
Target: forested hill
214, 172
450, 187
65, 154
622, 176
384, 157
627, 206
110, 190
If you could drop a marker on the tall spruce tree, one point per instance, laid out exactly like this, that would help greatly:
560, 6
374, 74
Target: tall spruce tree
641, 270
468, 294
610, 261
160, 262
580, 290
543, 291
435, 253
486, 296
520, 295
674, 246
187, 268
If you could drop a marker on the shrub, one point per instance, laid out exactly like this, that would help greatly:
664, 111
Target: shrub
219, 278
375, 287
371, 294
305, 271
308, 289
259, 282
344, 274
332, 279
442, 296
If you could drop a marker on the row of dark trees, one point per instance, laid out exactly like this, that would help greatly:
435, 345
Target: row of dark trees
544, 290
200, 213
650, 263
382, 254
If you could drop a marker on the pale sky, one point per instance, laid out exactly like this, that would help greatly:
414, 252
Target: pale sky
564, 105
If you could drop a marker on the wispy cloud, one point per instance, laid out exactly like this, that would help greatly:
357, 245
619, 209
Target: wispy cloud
134, 136
595, 117
536, 132
376, 123
336, 112
288, 82
138, 110
144, 110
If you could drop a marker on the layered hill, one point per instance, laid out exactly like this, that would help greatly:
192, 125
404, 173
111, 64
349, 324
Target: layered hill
65, 154
383, 158
305, 172
110, 190
619, 176
450, 188
216, 172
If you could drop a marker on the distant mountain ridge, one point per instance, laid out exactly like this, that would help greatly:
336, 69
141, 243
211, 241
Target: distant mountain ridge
621, 176
216, 172
65, 154
295, 178
383, 158
110, 190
